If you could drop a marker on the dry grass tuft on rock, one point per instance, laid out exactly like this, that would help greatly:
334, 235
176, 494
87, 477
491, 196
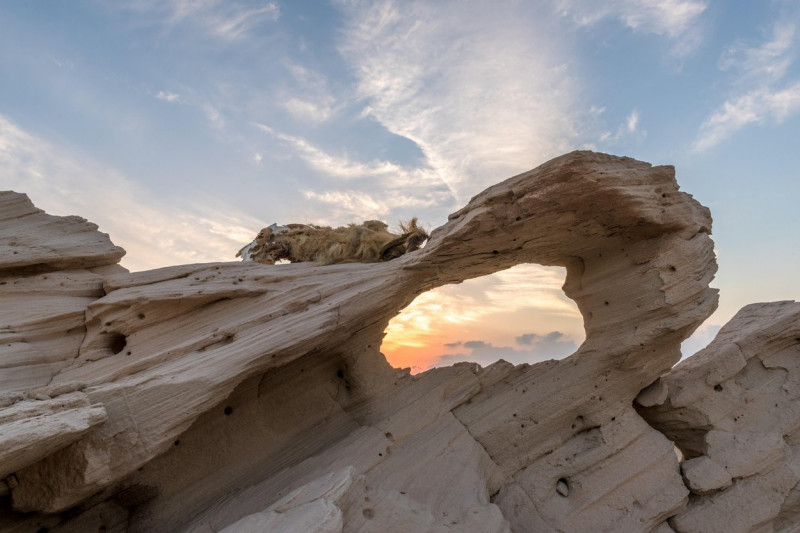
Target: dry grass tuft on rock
369, 242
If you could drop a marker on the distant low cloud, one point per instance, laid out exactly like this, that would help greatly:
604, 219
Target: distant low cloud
553, 345
529, 339
759, 92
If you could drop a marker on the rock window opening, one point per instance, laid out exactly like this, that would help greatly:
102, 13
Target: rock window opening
520, 315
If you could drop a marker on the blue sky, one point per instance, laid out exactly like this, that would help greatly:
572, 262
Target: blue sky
182, 127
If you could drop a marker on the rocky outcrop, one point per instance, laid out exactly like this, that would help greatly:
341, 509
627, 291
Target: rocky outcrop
734, 411
245, 397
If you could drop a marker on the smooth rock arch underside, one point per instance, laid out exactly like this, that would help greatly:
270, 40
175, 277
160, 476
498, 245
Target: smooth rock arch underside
243, 397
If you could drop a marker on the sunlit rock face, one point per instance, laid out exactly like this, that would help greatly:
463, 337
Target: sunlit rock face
245, 397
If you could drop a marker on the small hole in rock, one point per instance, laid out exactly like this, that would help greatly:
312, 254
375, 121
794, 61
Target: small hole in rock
495, 252
176, 443
562, 487
117, 343
368, 513
141, 316
717, 387
228, 410
339, 374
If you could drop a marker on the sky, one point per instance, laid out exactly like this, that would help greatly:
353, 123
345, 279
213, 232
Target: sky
182, 127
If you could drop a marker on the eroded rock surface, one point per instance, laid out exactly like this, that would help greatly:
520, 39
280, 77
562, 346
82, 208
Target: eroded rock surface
237, 397
734, 411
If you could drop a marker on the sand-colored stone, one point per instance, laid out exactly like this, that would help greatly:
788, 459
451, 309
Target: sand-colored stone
736, 405
239, 397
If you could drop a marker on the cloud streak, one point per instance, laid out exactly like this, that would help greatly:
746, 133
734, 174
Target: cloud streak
679, 20
374, 189
760, 94
227, 20
430, 73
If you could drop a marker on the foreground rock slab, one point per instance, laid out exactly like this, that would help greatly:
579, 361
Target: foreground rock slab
237, 397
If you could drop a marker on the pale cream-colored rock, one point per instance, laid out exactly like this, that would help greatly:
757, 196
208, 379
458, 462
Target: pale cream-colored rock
51, 268
32, 430
244, 396
33, 241
702, 475
312, 507
736, 404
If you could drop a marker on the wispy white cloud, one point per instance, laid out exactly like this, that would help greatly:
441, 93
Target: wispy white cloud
309, 111
310, 98
227, 20
632, 121
679, 20
767, 62
626, 130
483, 92
759, 94
375, 188
190, 98
154, 231
168, 96
339, 166
754, 107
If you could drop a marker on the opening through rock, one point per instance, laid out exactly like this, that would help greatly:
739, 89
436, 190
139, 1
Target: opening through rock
520, 315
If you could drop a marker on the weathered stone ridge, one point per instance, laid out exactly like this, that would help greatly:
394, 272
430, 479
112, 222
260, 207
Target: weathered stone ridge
244, 397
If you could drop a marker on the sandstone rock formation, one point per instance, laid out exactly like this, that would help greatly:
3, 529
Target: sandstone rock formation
243, 397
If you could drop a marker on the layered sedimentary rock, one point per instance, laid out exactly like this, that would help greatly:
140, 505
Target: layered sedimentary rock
247, 397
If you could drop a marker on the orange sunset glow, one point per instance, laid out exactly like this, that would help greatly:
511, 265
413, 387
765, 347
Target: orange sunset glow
519, 315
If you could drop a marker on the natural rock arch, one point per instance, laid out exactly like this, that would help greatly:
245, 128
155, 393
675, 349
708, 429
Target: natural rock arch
638, 258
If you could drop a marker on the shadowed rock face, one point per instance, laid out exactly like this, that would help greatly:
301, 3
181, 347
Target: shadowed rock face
245, 397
